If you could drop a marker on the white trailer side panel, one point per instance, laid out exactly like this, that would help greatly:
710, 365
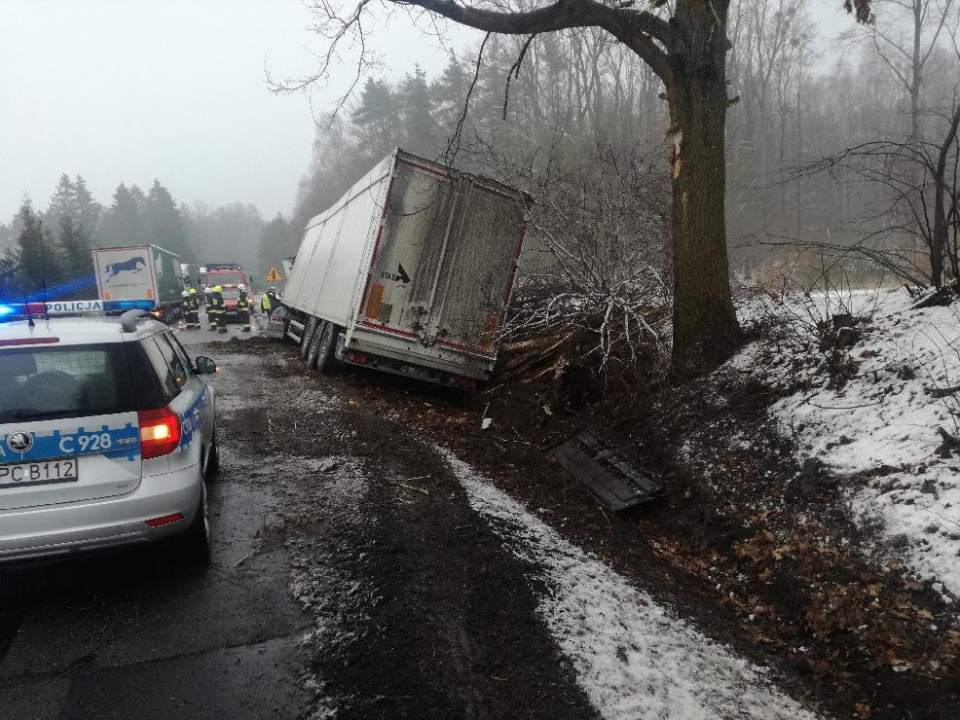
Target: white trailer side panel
331, 266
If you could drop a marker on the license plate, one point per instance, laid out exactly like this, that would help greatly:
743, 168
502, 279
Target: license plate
38, 473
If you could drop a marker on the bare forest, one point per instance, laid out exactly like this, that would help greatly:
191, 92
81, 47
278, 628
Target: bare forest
840, 164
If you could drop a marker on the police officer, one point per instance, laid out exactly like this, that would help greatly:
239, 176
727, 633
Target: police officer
193, 310
243, 308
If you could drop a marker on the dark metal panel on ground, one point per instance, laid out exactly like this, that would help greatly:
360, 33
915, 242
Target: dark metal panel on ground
611, 479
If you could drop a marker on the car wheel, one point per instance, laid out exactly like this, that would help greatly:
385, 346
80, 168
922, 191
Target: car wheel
307, 337
213, 459
194, 546
315, 343
326, 362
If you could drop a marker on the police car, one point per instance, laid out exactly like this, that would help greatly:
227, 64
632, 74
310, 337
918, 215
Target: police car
107, 434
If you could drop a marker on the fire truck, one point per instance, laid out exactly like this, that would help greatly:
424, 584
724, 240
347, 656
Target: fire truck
228, 276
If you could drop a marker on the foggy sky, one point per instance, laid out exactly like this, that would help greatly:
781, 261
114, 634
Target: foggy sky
175, 90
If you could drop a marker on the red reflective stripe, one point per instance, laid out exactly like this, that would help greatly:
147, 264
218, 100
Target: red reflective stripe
466, 349
165, 520
390, 330
30, 341
425, 169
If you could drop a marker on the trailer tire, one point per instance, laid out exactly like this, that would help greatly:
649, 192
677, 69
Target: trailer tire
326, 362
314, 351
307, 336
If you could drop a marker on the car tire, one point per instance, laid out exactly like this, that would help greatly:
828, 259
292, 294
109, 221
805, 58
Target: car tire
326, 361
314, 352
307, 337
213, 459
194, 546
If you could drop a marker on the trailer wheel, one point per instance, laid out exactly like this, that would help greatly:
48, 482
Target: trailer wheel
307, 336
326, 362
314, 351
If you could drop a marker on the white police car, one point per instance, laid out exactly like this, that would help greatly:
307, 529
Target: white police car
107, 434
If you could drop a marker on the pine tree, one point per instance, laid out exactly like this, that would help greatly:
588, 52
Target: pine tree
162, 221
37, 265
86, 210
449, 92
376, 121
121, 224
419, 122
76, 260
62, 204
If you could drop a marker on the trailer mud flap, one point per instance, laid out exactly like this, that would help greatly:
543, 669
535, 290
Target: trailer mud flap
610, 478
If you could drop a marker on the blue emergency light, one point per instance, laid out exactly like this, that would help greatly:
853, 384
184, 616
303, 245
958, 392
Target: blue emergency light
114, 305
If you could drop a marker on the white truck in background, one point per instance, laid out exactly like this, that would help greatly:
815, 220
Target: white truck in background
410, 272
140, 276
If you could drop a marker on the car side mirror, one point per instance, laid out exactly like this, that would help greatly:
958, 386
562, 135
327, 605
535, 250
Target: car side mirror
205, 365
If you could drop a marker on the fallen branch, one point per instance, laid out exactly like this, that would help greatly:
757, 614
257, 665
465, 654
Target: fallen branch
412, 487
942, 392
948, 439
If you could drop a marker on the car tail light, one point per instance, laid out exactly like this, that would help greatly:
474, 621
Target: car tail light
159, 432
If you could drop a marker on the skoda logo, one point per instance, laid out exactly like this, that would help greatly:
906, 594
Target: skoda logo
20, 442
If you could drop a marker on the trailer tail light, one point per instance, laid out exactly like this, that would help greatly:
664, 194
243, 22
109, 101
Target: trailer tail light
159, 432
357, 358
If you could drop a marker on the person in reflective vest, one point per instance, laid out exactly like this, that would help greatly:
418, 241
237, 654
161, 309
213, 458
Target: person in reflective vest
243, 309
267, 301
184, 306
192, 317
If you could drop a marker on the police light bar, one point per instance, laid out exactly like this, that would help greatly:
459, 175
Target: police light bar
21, 311
115, 305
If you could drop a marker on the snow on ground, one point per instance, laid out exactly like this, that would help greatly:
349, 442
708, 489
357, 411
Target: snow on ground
882, 422
632, 658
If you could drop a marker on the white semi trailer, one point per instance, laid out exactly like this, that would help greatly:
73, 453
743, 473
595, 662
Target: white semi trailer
410, 272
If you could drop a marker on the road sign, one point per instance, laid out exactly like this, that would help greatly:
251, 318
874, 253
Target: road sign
273, 275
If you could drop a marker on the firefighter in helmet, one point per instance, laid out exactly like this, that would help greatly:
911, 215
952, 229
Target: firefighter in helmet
243, 308
215, 308
221, 307
193, 310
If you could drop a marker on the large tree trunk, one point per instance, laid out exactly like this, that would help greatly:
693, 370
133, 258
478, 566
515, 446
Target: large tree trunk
705, 328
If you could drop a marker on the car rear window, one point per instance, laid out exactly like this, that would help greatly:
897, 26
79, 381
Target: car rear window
68, 381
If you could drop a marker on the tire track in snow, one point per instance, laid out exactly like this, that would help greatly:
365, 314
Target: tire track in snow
632, 658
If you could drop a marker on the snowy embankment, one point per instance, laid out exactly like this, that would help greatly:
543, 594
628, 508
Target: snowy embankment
632, 658
875, 420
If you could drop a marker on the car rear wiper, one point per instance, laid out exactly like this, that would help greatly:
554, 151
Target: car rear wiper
31, 414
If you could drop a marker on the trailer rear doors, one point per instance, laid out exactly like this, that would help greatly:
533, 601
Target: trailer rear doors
445, 258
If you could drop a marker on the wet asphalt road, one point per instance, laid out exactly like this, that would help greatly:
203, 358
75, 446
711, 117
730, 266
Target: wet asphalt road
135, 635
